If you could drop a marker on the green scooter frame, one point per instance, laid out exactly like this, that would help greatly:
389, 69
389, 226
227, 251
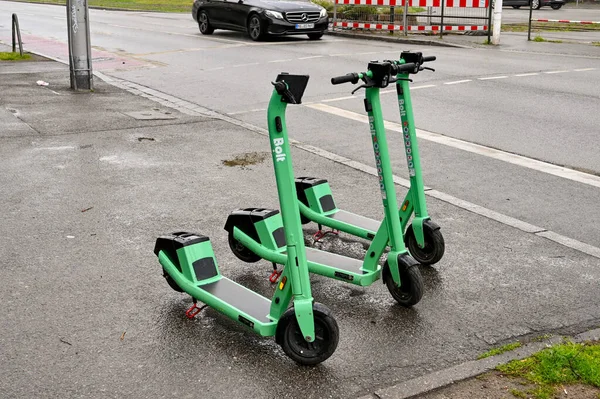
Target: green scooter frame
307, 331
422, 237
256, 233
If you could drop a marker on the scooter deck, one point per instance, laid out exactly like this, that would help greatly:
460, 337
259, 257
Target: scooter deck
362, 222
239, 297
340, 267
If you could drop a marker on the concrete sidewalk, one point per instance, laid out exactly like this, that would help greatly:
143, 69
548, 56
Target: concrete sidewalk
89, 180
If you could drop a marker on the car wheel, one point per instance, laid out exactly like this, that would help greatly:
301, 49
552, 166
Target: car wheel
315, 36
536, 4
516, 7
204, 24
556, 6
255, 29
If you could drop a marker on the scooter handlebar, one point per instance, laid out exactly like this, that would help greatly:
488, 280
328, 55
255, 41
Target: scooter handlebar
400, 68
349, 77
429, 59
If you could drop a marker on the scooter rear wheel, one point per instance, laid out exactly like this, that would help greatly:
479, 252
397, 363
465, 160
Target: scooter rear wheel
434, 247
171, 282
411, 289
241, 251
290, 337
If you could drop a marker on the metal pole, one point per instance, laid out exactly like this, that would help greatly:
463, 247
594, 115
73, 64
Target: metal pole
442, 20
17, 29
404, 17
80, 60
489, 21
392, 18
530, 14
497, 22
334, 14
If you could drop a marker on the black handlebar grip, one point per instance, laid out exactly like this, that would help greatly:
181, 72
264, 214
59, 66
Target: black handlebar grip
349, 77
428, 59
408, 67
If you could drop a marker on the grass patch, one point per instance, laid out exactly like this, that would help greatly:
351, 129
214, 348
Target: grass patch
566, 363
542, 338
518, 394
539, 39
138, 5
550, 26
502, 349
13, 57
596, 44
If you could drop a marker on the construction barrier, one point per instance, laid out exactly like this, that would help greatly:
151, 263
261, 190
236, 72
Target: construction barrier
438, 15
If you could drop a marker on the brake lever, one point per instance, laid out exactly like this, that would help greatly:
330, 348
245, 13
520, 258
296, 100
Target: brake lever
430, 69
288, 94
282, 90
361, 87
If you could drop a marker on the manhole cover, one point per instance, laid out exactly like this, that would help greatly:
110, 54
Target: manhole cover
149, 115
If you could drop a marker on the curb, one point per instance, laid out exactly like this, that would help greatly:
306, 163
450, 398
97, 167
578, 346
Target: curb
442, 378
404, 40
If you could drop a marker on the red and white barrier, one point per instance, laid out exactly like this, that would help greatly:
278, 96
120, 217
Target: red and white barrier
414, 3
565, 21
418, 3
410, 28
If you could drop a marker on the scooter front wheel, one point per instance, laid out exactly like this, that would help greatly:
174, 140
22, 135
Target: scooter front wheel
290, 337
411, 289
434, 247
241, 251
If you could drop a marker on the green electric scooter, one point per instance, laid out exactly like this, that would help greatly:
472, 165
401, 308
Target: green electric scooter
422, 237
307, 332
256, 233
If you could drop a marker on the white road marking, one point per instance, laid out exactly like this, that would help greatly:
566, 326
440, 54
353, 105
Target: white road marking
243, 65
528, 74
311, 57
412, 88
508, 157
279, 61
247, 112
493, 77
338, 99
584, 69
550, 72
488, 213
457, 82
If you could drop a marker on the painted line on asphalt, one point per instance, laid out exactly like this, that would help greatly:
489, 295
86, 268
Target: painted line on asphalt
189, 108
552, 72
244, 65
493, 77
527, 74
288, 60
584, 69
478, 149
311, 57
458, 81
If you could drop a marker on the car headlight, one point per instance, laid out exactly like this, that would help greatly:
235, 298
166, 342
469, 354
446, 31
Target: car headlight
323, 12
274, 14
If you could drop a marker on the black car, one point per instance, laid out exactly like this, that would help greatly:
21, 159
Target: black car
555, 4
261, 17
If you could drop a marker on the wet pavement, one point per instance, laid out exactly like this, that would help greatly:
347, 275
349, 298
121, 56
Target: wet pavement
86, 189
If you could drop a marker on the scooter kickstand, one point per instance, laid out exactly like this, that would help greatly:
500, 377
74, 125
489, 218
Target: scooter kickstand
194, 309
275, 275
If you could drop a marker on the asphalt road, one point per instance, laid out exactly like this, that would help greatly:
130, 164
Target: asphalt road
494, 284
